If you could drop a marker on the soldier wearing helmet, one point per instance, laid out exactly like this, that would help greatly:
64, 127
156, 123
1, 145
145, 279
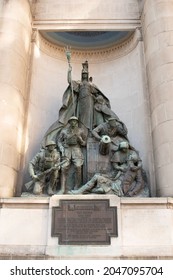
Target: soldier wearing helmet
69, 142
43, 162
126, 180
127, 163
113, 128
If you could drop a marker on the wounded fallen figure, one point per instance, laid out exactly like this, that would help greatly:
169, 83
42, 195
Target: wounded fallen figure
127, 179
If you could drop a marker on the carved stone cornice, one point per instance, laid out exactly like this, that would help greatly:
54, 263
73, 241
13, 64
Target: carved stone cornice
93, 55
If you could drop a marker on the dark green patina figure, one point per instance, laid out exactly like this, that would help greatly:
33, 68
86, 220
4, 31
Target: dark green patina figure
86, 131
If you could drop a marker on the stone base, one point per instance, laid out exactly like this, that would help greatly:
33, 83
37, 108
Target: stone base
144, 229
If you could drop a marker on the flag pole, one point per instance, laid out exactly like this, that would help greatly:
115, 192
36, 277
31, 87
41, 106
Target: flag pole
68, 55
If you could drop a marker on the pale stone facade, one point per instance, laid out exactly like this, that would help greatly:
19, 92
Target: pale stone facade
15, 36
157, 23
149, 237
139, 70
38, 93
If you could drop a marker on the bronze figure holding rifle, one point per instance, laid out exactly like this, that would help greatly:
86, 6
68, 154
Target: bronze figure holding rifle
44, 170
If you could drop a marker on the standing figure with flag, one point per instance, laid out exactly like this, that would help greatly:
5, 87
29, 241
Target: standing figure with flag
86, 94
78, 100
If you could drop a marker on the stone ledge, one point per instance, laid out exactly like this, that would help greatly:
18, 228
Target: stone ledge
45, 257
147, 202
86, 24
138, 236
43, 202
25, 202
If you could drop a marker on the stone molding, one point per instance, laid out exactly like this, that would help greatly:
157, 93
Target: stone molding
88, 24
25, 202
36, 202
93, 55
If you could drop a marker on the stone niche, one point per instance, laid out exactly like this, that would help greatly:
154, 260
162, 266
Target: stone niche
120, 77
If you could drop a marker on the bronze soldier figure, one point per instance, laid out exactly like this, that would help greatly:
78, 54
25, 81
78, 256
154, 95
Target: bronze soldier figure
127, 181
113, 128
69, 142
45, 167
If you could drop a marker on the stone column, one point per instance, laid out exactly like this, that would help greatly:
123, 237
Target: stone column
15, 34
157, 24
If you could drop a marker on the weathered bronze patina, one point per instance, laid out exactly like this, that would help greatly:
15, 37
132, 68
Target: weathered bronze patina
95, 144
82, 222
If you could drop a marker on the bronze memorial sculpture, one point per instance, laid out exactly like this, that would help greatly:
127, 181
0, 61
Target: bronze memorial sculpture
126, 180
44, 167
69, 143
87, 147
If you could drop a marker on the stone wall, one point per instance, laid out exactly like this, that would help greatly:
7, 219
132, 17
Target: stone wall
157, 23
23, 68
81, 9
15, 34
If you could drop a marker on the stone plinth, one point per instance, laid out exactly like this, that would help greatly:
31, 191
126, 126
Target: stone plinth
144, 229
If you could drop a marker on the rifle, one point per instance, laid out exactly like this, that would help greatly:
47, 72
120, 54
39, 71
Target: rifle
28, 185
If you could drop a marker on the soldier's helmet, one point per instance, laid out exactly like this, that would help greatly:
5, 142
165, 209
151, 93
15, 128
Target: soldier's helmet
134, 157
124, 145
50, 143
112, 119
73, 118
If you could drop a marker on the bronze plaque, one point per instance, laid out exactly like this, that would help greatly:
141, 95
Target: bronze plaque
84, 222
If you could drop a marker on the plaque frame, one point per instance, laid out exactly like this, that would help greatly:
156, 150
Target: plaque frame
91, 205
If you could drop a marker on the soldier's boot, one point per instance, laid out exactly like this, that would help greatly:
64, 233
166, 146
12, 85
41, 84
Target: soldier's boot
77, 178
87, 187
63, 182
38, 188
50, 190
52, 183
